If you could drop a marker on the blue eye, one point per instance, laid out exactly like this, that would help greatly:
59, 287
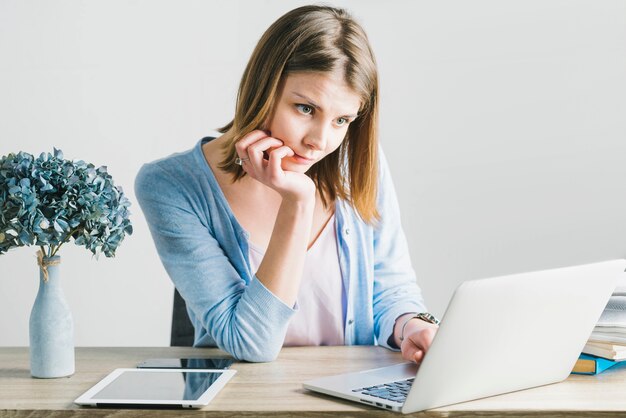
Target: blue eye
342, 121
305, 109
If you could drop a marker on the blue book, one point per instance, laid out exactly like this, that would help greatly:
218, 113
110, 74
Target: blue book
588, 364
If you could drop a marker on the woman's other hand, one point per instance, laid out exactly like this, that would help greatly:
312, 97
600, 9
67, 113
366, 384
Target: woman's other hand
264, 155
418, 336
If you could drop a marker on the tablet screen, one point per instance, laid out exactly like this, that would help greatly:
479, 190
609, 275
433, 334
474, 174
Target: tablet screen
158, 385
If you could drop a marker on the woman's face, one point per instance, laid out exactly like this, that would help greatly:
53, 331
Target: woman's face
312, 115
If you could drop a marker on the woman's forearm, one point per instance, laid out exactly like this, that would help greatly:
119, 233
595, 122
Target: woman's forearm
283, 263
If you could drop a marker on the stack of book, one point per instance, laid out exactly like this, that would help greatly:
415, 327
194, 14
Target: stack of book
588, 364
608, 339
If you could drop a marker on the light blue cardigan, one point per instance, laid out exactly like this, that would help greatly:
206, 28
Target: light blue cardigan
205, 252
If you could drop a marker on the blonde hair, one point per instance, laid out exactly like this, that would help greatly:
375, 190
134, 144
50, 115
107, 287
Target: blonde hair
316, 39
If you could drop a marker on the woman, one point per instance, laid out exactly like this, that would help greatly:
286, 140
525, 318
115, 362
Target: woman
285, 229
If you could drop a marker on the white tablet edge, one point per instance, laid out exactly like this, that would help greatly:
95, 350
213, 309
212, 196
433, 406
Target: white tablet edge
225, 375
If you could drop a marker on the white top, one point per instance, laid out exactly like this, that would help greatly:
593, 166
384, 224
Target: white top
321, 299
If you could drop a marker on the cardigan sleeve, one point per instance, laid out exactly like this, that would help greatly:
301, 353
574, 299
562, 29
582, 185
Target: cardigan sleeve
395, 287
244, 319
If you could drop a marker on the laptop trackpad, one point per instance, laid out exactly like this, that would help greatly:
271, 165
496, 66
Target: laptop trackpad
366, 378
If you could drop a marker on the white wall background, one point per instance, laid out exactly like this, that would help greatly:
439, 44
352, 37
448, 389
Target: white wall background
504, 123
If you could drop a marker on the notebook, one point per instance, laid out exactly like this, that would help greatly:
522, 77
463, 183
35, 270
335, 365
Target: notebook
488, 326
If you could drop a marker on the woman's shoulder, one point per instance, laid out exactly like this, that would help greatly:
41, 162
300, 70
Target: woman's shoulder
177, 171
177, 162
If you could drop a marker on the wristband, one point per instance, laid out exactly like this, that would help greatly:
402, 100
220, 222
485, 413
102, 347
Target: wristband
424, 316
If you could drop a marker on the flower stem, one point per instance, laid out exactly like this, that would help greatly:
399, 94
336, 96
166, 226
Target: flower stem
67, 238
55, 250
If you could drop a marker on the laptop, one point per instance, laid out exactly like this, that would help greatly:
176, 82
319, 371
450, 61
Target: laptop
497, 335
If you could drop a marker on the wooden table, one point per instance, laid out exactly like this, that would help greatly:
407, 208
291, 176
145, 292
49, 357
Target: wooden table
275, 389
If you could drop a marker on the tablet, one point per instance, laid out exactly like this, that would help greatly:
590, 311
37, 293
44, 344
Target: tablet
186, 363
175, 388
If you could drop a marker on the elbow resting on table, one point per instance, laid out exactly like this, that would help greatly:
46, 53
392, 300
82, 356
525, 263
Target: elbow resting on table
253, 355
261, 358
246, 347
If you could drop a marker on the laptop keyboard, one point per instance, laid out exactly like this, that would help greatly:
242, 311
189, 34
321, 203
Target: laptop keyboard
394, 391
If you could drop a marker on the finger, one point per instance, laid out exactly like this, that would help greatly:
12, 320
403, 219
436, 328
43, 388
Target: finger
408, 349
412, 352
276, 159
428, 335
408, 355
265, 144
256, 150
422, 338
243, 143
418, 356
416, 345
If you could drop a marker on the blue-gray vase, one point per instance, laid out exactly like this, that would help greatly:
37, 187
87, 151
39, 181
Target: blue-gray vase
51, 326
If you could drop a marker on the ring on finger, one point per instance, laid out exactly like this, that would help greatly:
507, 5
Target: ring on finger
240, 161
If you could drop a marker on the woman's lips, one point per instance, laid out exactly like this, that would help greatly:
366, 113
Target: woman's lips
302, 160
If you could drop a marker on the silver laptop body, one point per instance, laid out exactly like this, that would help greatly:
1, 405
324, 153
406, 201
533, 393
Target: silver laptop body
498, 335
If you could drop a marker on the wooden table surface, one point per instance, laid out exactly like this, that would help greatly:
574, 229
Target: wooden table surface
275, 389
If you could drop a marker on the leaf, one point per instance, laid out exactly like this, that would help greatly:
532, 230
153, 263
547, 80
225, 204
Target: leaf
58, 153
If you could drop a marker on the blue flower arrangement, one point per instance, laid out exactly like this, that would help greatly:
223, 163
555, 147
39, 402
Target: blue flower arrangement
46, 201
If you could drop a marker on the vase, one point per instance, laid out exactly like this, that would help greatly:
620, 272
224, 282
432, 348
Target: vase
51, 328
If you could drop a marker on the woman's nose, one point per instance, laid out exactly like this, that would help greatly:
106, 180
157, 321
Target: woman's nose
317, 137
